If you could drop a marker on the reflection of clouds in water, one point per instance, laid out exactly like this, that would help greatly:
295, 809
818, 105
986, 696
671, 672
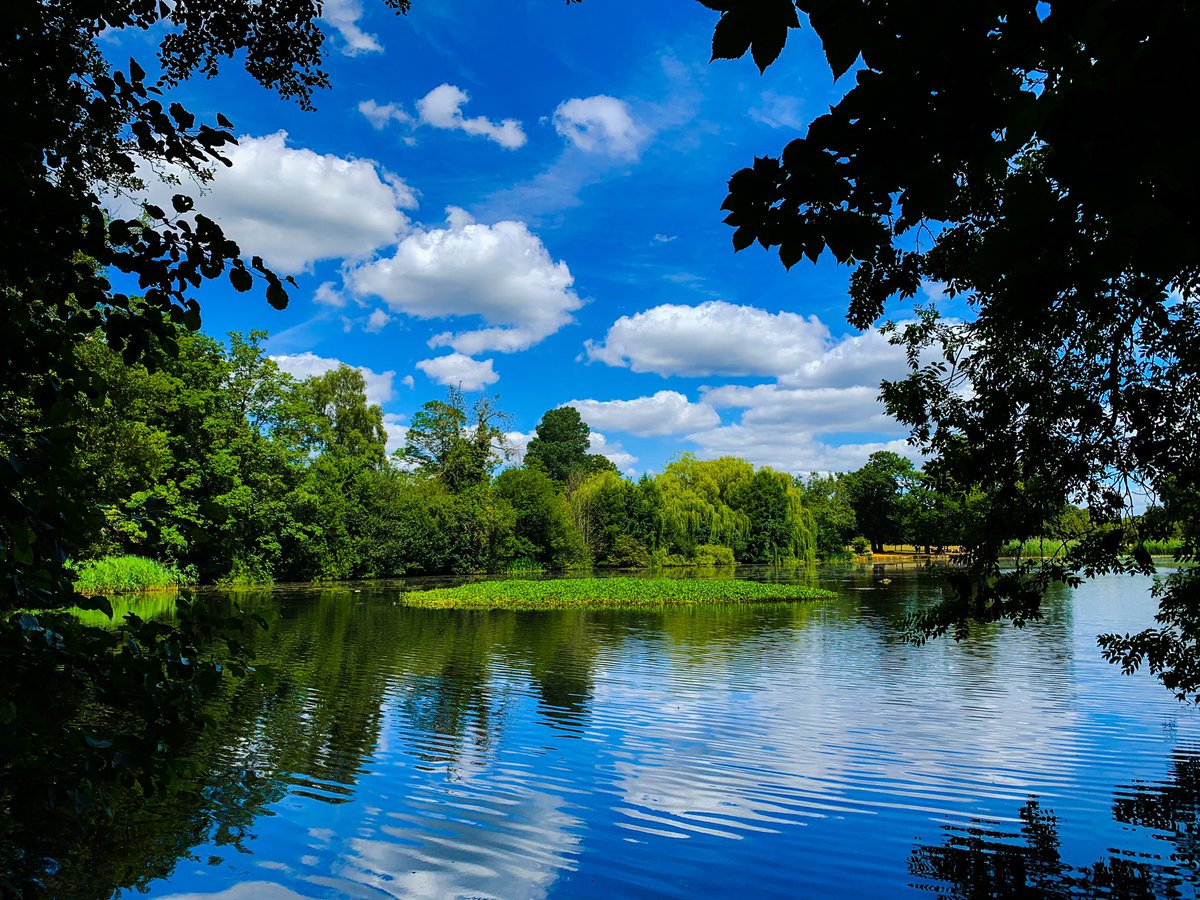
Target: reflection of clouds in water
487, 822
728, 726
727, 739
247, 890
520, 850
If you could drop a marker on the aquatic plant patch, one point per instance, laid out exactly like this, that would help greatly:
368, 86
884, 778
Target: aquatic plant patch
608, 592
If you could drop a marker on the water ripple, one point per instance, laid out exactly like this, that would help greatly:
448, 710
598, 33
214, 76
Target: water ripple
788, 750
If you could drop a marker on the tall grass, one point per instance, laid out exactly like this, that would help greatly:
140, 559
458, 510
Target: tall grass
607, 592
1163, 548
1045, 548
126, 575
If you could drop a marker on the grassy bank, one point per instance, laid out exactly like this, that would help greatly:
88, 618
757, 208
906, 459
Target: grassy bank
607, 593
1046, 548
126, 575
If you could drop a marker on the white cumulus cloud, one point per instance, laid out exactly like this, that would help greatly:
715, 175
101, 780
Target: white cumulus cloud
824, 410
397, 434
380, 114
599, 124
821, 413
714, 338
442, 108
293, 206
343, 15
614, 452
666, 412
327, 295
501, 273
457, 370
380, 387
377, 321
721, 338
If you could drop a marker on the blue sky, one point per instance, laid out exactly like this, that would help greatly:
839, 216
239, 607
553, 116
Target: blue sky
524, 198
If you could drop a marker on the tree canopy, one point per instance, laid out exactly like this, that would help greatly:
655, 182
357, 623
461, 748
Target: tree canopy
78, 126
561, 443
1026, 158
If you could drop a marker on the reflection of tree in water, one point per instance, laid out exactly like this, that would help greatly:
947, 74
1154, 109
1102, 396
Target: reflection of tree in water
982, 861
449, 694
314, 723
460, 659
561, 657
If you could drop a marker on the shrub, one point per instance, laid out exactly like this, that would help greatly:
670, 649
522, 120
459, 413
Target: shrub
627, 552
713, 555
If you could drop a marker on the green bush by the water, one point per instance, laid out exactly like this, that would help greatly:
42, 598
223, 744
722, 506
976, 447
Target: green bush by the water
608, 592
127, 574
714, 555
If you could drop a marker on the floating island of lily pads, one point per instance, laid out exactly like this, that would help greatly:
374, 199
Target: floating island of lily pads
571, 593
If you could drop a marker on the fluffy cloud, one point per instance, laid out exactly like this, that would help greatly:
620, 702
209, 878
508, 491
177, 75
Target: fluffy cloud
292, 206
457, 370
304, 365
344, 15
501, 273
720, 338
824, 410
614, 452
380, 114
327, 295
599, 124
667, 412
855, 359
376, 322
715, 338
397, 434
442, 108
825, 388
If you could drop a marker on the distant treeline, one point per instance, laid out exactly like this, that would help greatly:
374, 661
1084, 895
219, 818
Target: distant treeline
224, 468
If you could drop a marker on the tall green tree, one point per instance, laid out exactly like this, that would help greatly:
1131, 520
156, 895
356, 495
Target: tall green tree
441, 442
560, 446
827, 497
1027, 157
348, 426
876, 491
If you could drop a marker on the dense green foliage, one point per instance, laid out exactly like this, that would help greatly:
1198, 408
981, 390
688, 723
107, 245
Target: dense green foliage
218, 463
608, 592
1025, 157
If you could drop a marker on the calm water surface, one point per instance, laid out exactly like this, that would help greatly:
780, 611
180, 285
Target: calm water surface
780, 750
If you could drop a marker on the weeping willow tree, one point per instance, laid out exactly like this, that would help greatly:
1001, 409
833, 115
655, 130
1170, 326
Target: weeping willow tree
600, 509
758, 514
694, 503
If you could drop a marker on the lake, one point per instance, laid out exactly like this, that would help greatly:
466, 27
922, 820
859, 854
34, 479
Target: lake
771, 750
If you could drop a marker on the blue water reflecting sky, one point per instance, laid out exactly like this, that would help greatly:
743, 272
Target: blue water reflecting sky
790, 750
